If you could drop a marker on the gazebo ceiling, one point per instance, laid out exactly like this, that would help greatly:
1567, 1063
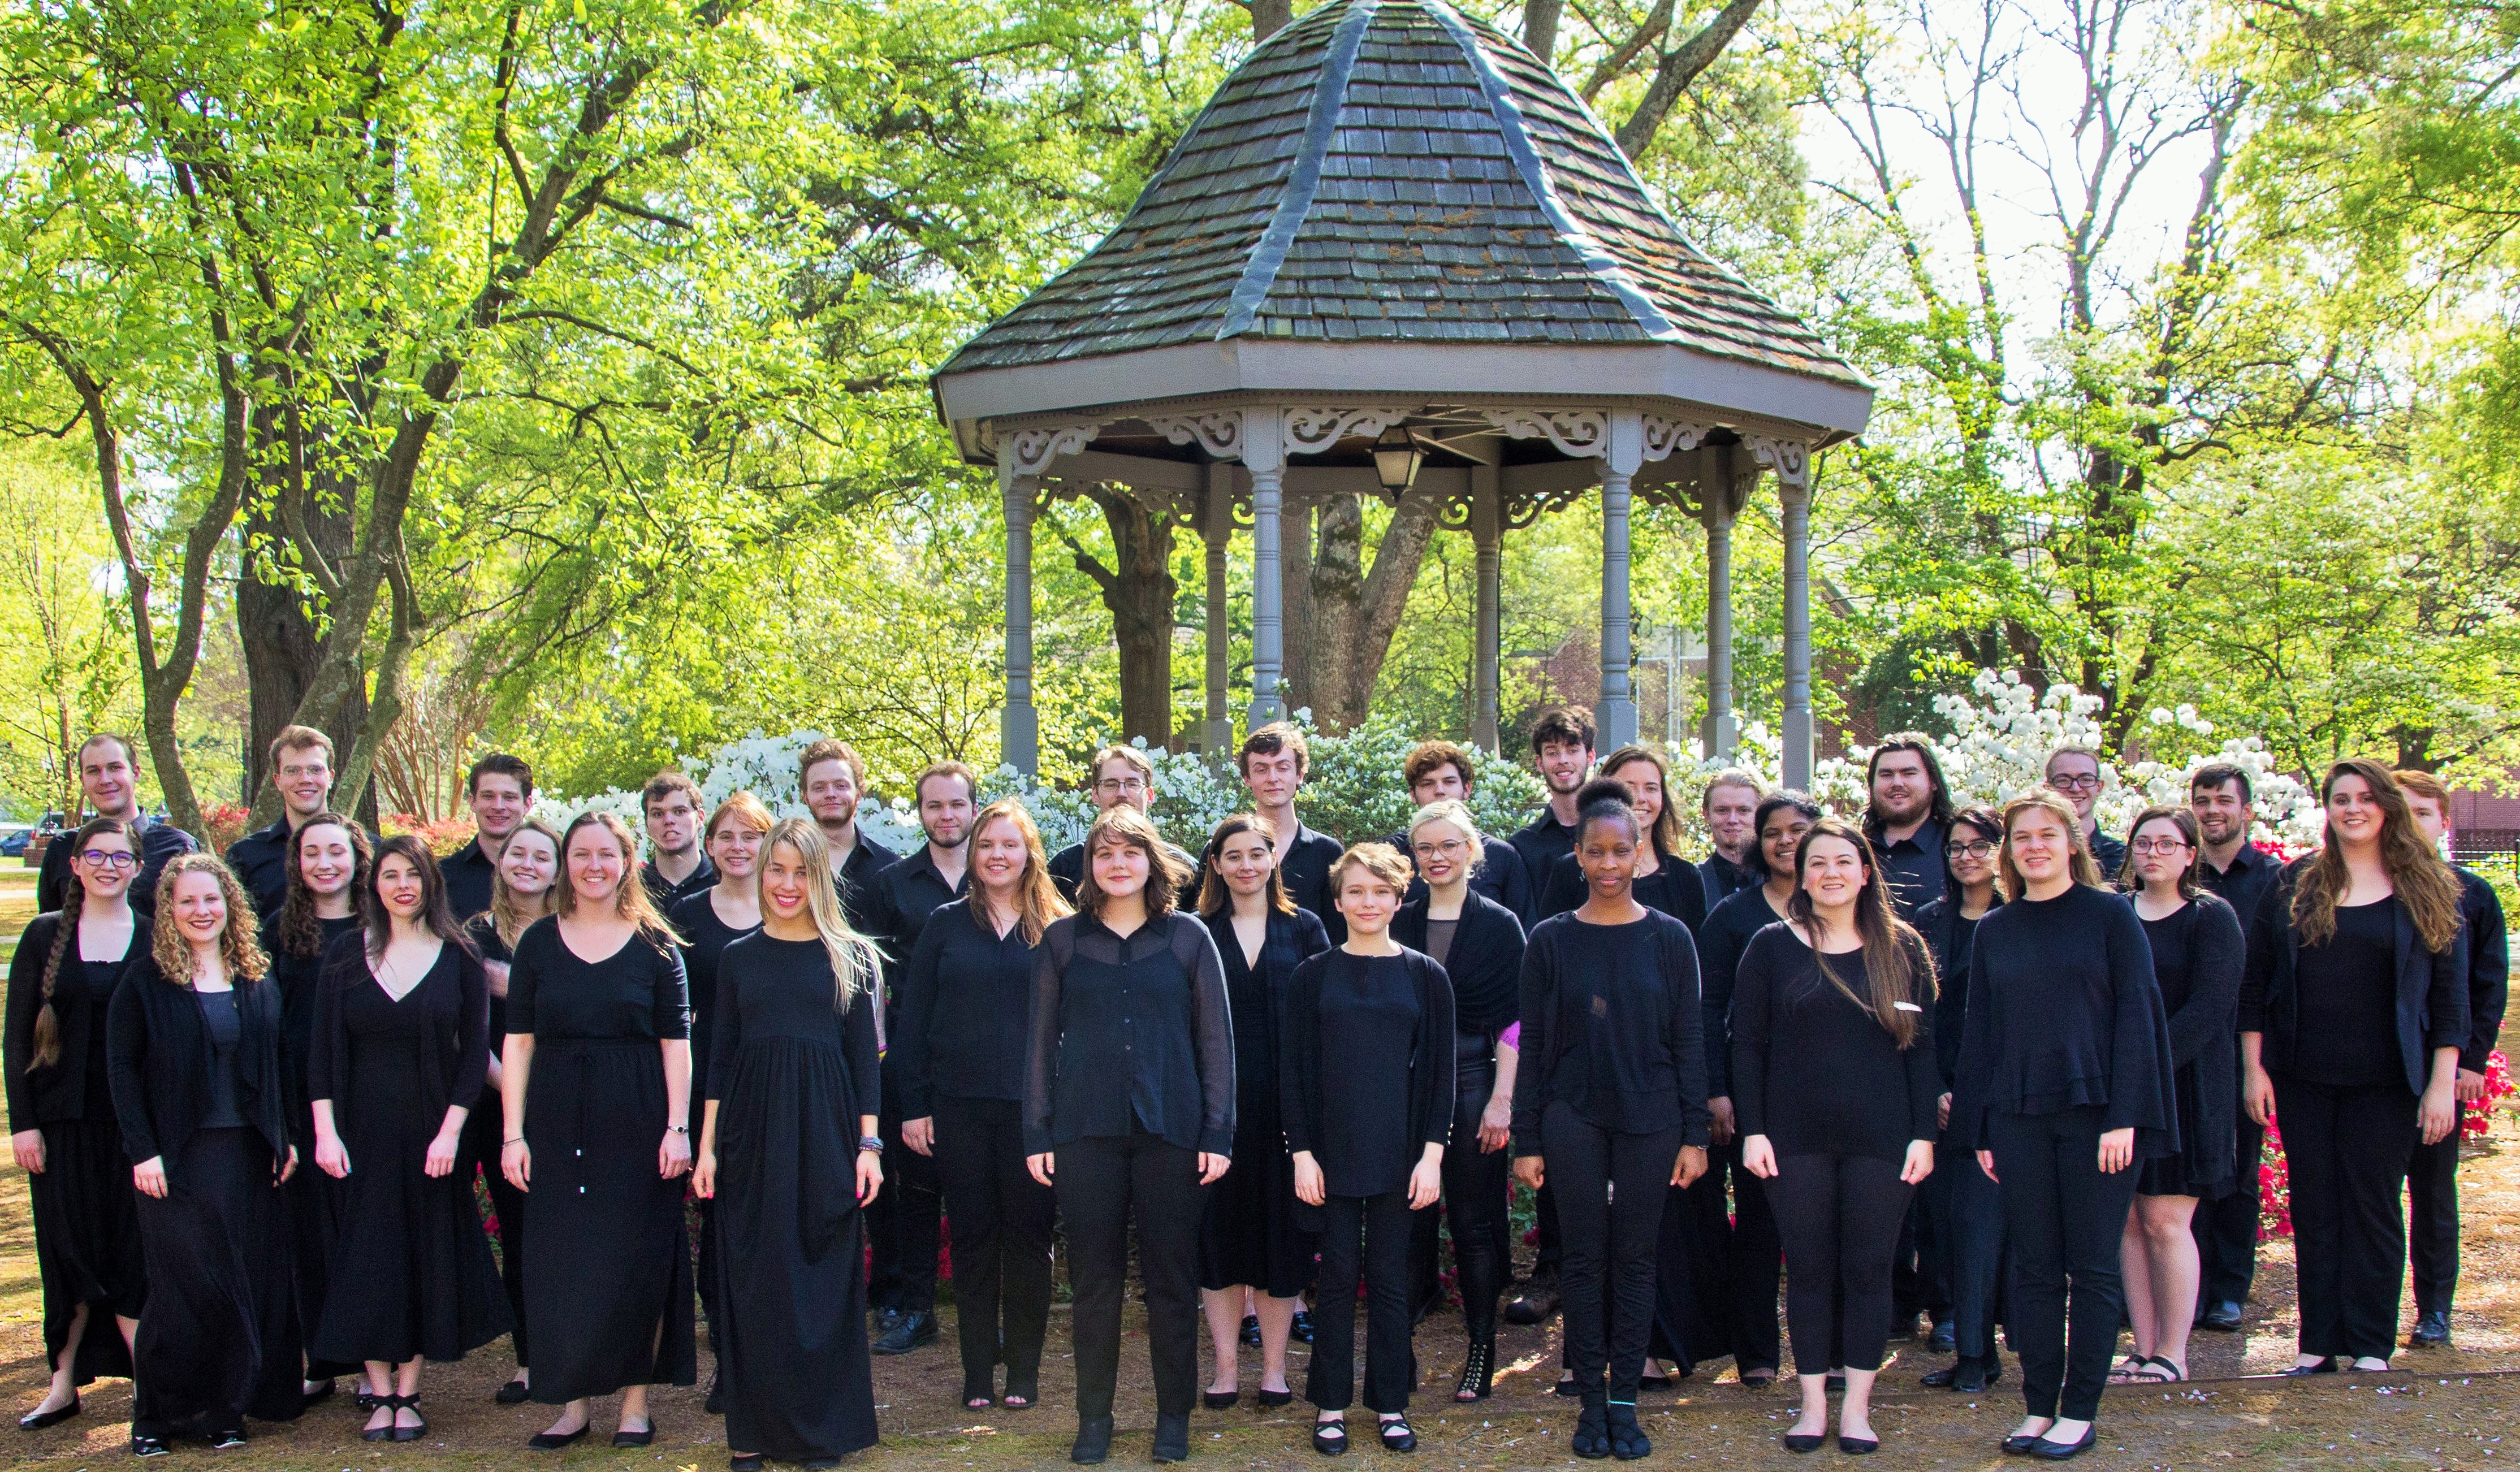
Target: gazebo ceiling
1389, 198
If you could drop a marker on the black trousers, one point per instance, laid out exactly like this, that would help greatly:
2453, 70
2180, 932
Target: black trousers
1475, 1186
1757, 1265
1607, 1242
1966, 1213
902, 1225
2065, 1219
1103, 1184
2226, 1227
1840, 1216
1001, 1220
1363, 1238
2346, 1152
2432, 1221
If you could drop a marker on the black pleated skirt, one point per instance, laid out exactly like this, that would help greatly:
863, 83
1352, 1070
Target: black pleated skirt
87, 1244
608, 1261
218, 1339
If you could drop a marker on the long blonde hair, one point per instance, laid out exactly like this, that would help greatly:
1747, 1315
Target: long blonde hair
1037, 900
2422, 881
856, 963
630, 900
508, 913
238, 949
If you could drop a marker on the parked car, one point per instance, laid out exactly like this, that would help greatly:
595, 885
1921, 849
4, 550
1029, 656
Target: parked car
13, 838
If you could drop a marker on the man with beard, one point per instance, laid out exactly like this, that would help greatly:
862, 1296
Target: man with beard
2074, 772
500, 790
831, 780
1906, 817
1730, 801
110, 780
2230, 865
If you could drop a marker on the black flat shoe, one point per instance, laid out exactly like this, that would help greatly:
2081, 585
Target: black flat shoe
1758, 1379
1567, 1387
1591, 1438
1653, 1382
2326, 1366
1274, 1398
543, 1440
747, 1461
2019, 1446
1220, 1400
518, 1393
1093, 1442
2222, 1317
1856, 1446
1627, 1440
37, 1420
148, 1446
1976, 1377
1397, 1435
2432, 1331
2057, 1452
1943, 1379
1172, 1438
1330, 1438
1944, 1340
1300, 1329
1795, 1442
646, 1438
1251, 1329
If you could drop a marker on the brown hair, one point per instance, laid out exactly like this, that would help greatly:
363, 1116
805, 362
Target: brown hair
1137, 760
2083, 869
1892, 948
1037, 899
1426, 757
300, 739
501, 764
48, 1038
828, 749
665, 784
1214, 897
1378, 859
130, 753
238, 947
1938, 803
300, 932
971, 783
630, 900
1268, 740
1565, 726
752, 810
506, 909
1666, 828
2181, 819
434, 918
1121, 824
2425, 786
2422, 882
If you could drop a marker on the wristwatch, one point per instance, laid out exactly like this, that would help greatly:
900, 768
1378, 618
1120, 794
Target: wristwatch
872, 1143
677, 1128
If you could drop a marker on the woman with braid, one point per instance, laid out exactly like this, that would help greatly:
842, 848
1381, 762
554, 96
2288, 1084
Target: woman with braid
62, 1124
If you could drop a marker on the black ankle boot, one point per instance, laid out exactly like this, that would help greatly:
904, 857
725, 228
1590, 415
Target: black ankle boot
1627, 1440
1478, 1372
1093, 1441
1172, 1438
1591, 1440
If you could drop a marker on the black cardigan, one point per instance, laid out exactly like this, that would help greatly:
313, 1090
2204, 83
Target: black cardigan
454, 1062
50, 1094
1300, 1102
1485, 963
2432, 986
159, 1053
2201, 1034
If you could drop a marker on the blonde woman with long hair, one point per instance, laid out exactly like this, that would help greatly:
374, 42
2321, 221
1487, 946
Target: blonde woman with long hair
521, 890
790, 1154
595, 1087
194, 1048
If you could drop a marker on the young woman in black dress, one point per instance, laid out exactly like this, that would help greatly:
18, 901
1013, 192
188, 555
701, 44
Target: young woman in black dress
192, 1045
2196, 958
62, 1126
1836, 1090
327, 865
1611, 1093
2065, 1087
1365, 1088
1129, 1113
1478, 943
960, 1036
788, 1150
596, 1017
708, 921
1249, 1238
2353, 1010
1964, 1207
400, 1047
521, 890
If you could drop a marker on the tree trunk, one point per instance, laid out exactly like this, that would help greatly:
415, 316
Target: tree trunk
1269, 17
276, 629
1355, 613
1140, 594
1540, 26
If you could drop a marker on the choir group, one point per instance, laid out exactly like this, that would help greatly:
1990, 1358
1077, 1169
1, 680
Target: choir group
1997, 1068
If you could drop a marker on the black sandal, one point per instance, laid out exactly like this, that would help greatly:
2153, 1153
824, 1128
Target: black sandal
1396, 1434
1330, 1438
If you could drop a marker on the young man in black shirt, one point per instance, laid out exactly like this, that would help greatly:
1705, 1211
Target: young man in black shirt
831, 780
1121, 775
1437, 770
676, 868
302, 768
1907, 817
1729, 805
2233, 867
500, 790
110, 778
2075, 773
1273, 762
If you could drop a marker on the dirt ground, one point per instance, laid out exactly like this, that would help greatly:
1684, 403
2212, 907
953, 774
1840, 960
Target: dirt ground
2457, 1408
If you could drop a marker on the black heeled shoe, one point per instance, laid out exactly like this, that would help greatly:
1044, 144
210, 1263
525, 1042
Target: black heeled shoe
518, 1393
1591, 1438
37, 1420
1627, 1440
1478, 1373
1397, 1434
1093, 1442
1172, 1438
1330, 1438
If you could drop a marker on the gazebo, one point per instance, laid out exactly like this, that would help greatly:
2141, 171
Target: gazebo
1395, 249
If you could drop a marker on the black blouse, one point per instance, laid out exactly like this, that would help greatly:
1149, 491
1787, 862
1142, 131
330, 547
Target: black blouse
1611, 1027
74, 1085
1366, 1073
704, 936
1484, 961
1813, 1070
2429, 1001
1726, 933
1130, 1034
966, 1015
453, 1047
636, 992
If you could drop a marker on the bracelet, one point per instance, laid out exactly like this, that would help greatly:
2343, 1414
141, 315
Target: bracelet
872, 1143
520, 1140
677, 1128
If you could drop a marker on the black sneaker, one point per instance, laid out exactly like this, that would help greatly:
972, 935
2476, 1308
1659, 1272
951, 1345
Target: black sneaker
908, 1332
1251, 1329
1535, 1303
1301, 1331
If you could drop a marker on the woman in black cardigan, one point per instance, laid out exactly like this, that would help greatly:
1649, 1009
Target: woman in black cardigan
192, 1040
1366, 1089
2351, 1013
2196, 958
62, 1126
1478, 943
1964, 1208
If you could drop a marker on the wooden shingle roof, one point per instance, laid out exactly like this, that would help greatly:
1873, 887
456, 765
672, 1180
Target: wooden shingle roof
1394, 171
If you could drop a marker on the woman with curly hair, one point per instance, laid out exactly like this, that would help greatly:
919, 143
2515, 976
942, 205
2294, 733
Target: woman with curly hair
2352, 1013
193, 1042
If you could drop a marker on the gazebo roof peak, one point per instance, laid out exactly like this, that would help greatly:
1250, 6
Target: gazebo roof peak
1394, 172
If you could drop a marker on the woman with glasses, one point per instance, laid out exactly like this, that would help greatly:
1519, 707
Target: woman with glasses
2196, 958
1479, 944
1964, 1209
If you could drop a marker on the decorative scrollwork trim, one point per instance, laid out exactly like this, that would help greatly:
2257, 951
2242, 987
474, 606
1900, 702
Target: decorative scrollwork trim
1578, 433
1035, 446
1314, 427
1218, 432
1667, 436
1790, 459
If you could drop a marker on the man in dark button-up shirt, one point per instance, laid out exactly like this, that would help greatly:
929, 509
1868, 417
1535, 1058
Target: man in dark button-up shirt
1562, 745
1906, 817
1275, 761
110, 780
830, 782
2230, 865
302, 768
1121, 775
1730, 805
500, 790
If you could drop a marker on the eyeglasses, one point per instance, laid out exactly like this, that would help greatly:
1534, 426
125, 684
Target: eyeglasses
1121, 785
98, 857
1450, 848
1980, 848
2077, 782
2157, 846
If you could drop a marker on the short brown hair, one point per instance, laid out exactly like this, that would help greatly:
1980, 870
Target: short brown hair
130, 753
1563, 725
971, 783
1268, 740
1124, 824
299, 739
665, 784
2426, 785
829, 749
1427, 757
501, 764
1378, 859
1136, 758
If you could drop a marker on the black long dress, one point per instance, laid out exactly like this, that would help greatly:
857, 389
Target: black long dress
608, 1261
1249, 1234
314, 1197
87, 1225
411, 1270
793, 1078
704, 935
485, 1129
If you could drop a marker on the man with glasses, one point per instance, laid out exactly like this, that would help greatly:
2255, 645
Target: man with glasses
1908, 816
110, 777
2074, 773
302, 768
1121, 775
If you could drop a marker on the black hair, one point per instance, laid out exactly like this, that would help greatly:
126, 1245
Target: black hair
1937, 809
1605, 798
1990, 824
1769, 806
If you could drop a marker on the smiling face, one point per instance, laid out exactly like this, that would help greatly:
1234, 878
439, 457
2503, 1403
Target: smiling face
1730, 807
1562, 764
201, 908
1645, 781
1442, 851
786, 883
1120, 867
530, 863
595, 864
1367, 900
736, 846
1903, 790
999, 856
399, 887
305, 781
1970, 855
2041, 847
2223, 815
1244, 860
2354, 812
1780, 837
830, 794
1832, 872
2076, 775
1273, 777
104, 866
112, 788
945, 809
327, 862
498, 802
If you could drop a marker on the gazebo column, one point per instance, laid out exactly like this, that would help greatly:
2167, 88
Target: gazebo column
1720, 504
1216, 526
1790, 459
1264, 456
1018, 723
1487, 535
1616, 715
